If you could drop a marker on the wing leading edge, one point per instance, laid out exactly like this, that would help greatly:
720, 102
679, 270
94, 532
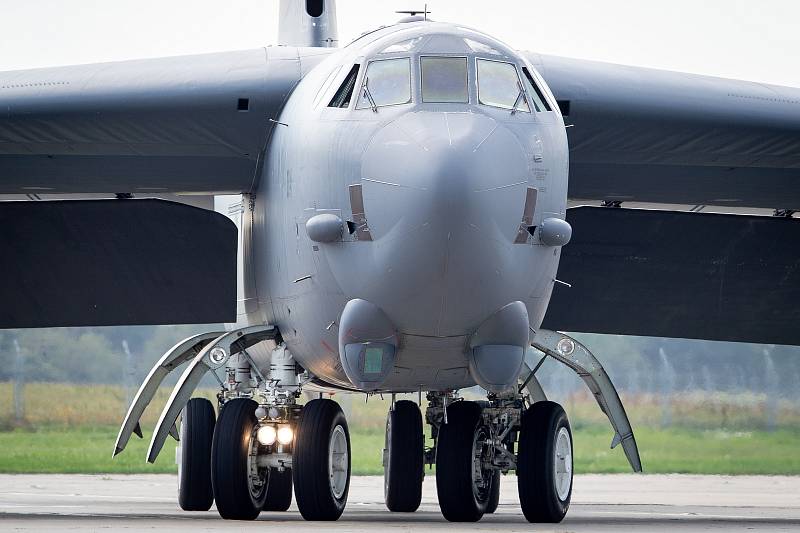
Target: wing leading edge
180, 124
666, 137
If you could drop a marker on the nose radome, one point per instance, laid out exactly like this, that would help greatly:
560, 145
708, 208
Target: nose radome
444, 195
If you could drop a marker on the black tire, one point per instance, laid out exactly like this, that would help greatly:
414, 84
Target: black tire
279, 490
318, 424
405, 451
458, 500
494, 495
194, 471
536, 473
229, 455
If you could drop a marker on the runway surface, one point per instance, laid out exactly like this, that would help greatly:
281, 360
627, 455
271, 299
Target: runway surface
599, 503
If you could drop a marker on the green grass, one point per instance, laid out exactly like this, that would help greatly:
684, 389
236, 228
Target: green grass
71, 429
692, 451
88, 450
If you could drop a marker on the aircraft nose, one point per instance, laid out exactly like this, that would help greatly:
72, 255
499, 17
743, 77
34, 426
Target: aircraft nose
442, 171
444, 195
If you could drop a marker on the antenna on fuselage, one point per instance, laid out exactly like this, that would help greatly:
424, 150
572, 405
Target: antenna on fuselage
414, 12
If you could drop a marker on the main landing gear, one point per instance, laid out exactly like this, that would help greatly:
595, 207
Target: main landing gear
263, 446
403, 457
266, 446
475, 442
194, 461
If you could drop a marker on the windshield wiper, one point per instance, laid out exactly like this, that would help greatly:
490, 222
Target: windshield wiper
520, 95
368, 94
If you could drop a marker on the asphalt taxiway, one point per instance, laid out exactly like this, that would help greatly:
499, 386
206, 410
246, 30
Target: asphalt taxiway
599, 503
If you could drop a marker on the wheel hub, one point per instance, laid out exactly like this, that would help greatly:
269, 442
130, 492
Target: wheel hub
562, 463
257, 478
337, 461
481, 476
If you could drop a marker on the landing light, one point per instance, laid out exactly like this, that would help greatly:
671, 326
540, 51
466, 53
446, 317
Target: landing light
285, 435
266, 435
217, 355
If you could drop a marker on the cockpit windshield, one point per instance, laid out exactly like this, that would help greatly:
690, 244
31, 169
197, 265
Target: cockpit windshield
444, 79
499, 86
387, 82
439, 69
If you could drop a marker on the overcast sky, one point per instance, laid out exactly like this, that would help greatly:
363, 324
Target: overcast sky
744, 39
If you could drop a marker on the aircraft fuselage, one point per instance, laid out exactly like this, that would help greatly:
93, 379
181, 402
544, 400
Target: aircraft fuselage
444, 184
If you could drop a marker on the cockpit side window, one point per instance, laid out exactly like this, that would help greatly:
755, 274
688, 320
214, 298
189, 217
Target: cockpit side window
345, 92
499, 86
444, 79
539, 101
387, 82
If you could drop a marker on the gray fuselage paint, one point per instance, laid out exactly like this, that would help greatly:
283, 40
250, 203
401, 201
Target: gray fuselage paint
444, 189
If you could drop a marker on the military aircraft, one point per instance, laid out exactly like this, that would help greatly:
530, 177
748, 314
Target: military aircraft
421, 209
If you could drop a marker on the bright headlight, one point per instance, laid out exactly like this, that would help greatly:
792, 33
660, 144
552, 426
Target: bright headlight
285, 435
266, 435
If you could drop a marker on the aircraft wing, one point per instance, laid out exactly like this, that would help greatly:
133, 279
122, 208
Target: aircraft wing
655, 136
644, 135
193, 124
679, 274
179, 124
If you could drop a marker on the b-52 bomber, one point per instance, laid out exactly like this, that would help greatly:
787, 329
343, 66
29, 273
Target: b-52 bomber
423, 210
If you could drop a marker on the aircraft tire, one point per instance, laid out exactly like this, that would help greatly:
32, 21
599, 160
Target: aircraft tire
321, 461
494, 495
459, 499
545, 489
194, 472
279, 490
405, 450
237, 498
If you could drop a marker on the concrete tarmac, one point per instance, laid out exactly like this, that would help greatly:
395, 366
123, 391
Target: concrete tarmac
599, 503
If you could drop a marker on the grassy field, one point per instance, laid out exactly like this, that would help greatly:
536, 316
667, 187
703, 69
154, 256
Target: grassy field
71, 429
88, 450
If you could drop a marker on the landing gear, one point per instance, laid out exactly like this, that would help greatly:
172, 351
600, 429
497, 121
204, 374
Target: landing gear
477, 442
265, 444
194, 468
321, 462
240, 484
279, 490
494, 497
403, 458
544, 464
463, 474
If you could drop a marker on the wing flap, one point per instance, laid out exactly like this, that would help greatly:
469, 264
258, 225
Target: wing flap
115, 262
679, 274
